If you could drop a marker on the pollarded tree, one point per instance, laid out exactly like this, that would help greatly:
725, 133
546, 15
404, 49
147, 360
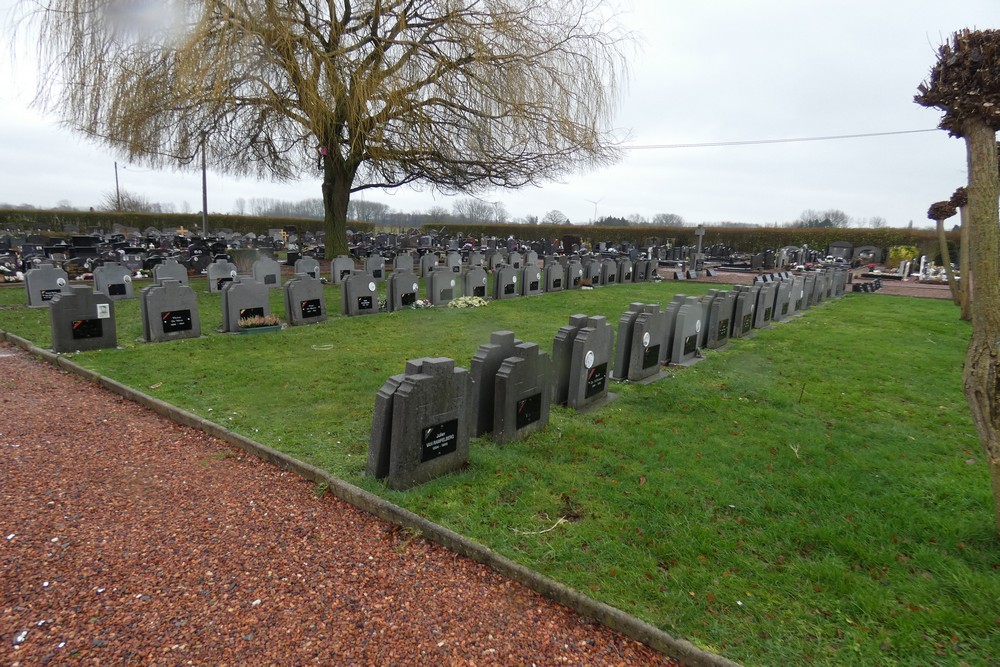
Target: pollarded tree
965, 85
960, 200
463, 95
939, 212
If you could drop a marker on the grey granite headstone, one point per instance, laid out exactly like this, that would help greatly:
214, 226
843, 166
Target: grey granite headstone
476, 259
609, 272
808, 287
495, 260
220, 272
307, 265
531, 258
170, 269
115, 280
623, 347
43, 284
241, 298
474, 282
746, 302
555, 276
340, 268
530, 280
640, 335
590, 365
82, 320
505, 283
267, 272
453, 262
514, 260
624, 270
592, 272
765, 306
720, 319
780, 312
443, 286
427, 263
359, 295
574, 274
485, 364
795, 295
305, 302
402, 290
419, 425
639, 271
562, 355
169, 311
687, 332
523, 387
402, 262
669, 327
375, 266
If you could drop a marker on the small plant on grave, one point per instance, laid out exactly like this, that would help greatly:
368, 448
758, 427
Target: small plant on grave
468, 302
258, 321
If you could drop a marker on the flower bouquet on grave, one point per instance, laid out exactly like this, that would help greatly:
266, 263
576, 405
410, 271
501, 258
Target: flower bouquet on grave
422, 303
260, 323
468, 302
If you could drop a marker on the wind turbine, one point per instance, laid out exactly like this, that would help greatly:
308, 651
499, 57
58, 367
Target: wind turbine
595, 203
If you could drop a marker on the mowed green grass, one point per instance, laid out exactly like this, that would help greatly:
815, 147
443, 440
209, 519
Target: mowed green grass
813, 495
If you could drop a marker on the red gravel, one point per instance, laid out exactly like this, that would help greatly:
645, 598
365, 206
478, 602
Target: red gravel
125, 538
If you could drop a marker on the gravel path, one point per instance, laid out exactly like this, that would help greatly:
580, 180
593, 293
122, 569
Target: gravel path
125, 538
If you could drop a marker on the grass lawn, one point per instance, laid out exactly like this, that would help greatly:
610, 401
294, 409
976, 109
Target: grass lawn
813, 495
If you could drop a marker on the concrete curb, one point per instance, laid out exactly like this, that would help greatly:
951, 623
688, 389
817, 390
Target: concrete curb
679, 649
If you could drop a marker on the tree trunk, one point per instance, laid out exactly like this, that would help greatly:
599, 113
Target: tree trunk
946, 260
336, 196
964, 268
982, 363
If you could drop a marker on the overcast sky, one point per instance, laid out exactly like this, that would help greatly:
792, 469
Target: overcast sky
706, 72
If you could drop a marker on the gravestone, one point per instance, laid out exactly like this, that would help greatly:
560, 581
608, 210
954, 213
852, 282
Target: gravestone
609, 272
574, 274
359, 295
555, 276
562, 354
687, 332
514, 260
476, 259
669, 326
220, 272
624, 270
243, 297
782, 293
170, 269
169, 311
795, 295
474, 282
43, 284
530, 280
427, 264
267, 272
307, 265
443, 286
419, 425
375, 266
522, 393
485, 364
114, 280
340, 268
639, 271
590, 365
808, 287
305, 302
720, 319
453, 262
764, 311
402, 290
652, 270
640, 335
592, 272
531, 258
505, 283
495, 260
746, 303
81, 320
402, 262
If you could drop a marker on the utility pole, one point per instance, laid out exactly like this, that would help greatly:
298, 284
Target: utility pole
204, 190
118, 193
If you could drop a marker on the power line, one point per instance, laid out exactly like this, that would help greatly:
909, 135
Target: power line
775, 141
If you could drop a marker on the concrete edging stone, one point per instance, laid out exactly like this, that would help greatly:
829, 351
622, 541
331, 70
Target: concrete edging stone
616, 619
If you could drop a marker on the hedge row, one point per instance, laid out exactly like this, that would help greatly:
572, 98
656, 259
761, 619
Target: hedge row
741, 239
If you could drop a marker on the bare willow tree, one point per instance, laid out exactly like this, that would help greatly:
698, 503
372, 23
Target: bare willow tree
965, 85
463, 95
939, 212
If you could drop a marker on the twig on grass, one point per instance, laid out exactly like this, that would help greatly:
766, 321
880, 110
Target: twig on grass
562, 519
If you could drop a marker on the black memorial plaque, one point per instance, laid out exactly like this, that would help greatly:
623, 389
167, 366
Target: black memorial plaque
219, 283
691, 344
767, 313
345, 273
117, 289
597, 378
529, 410
509, 288
365, 303
408, 299
651, 356
456, 269
310, 308
723, 331
747, 322
87, 329
576, 281
557, 283
270, 279
47, 294
176, 320
479, 291
533, 286
446, 294
377, 274
251, 312
439, 440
